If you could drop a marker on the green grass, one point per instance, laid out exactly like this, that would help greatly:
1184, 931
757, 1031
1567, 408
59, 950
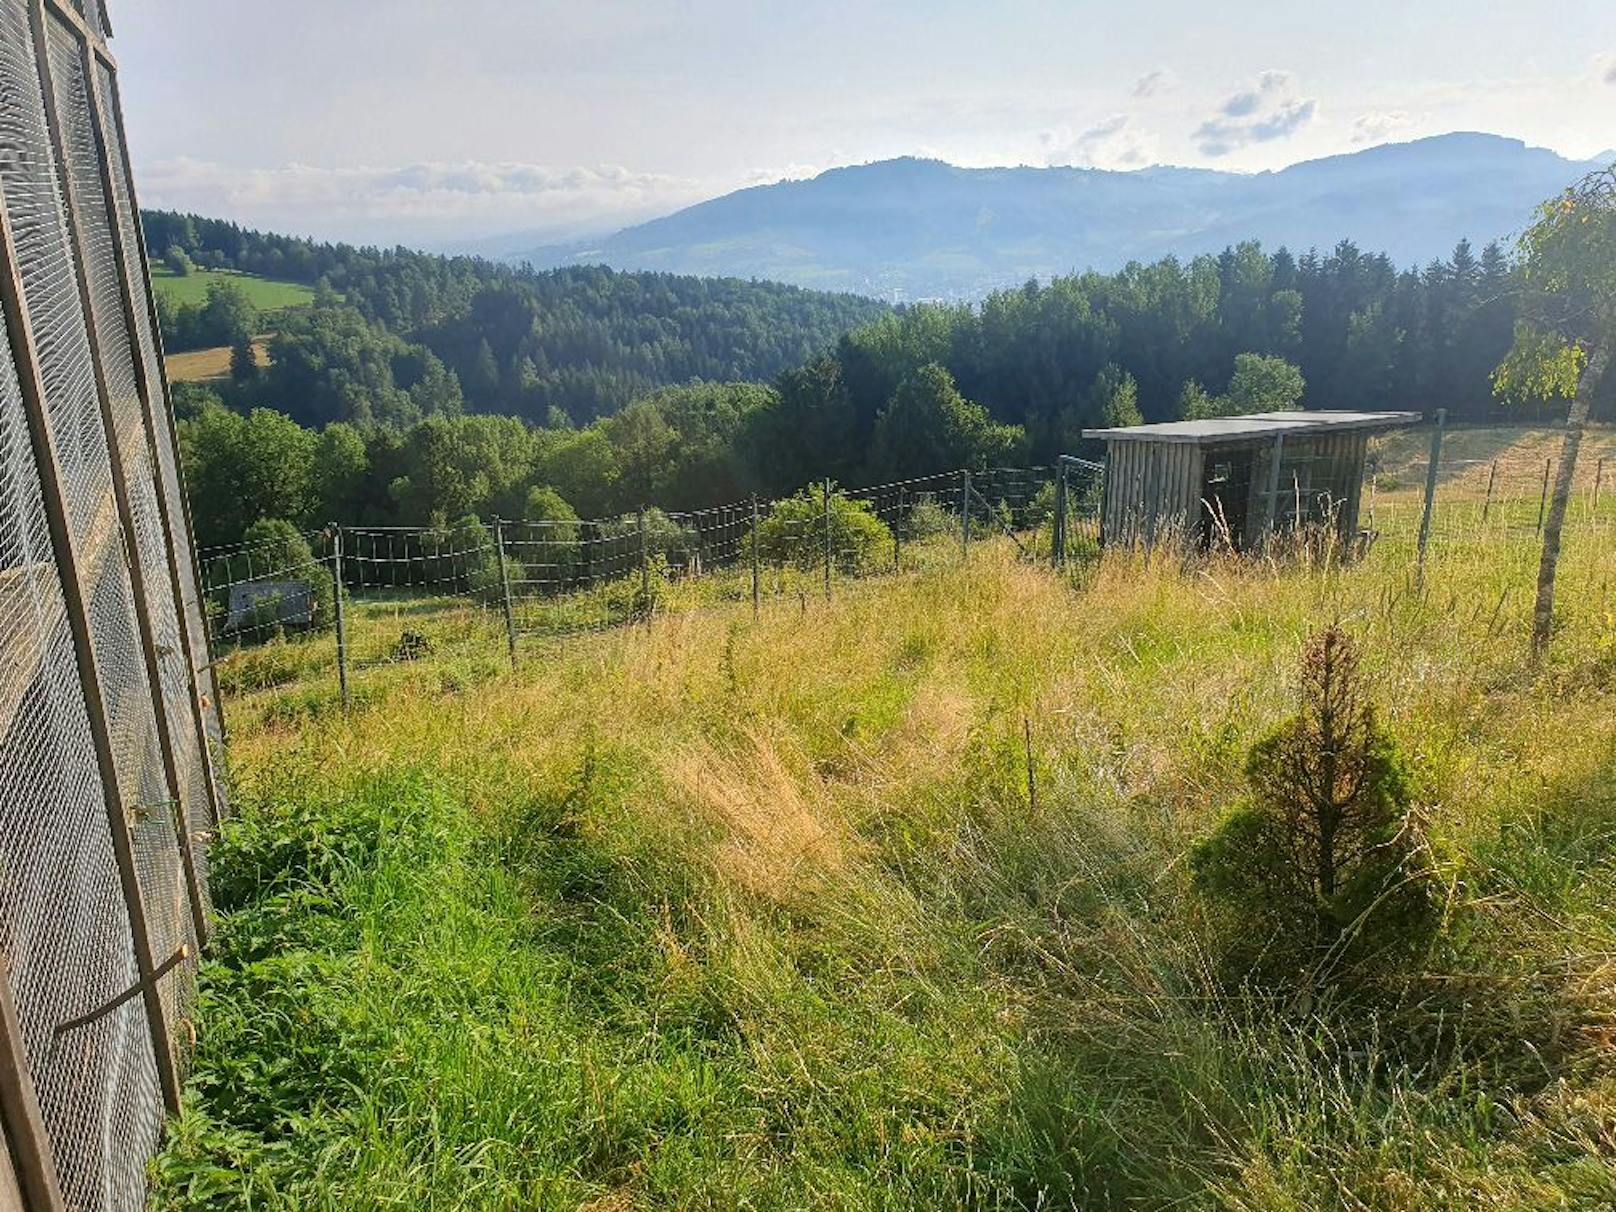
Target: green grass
733, 914
266, 294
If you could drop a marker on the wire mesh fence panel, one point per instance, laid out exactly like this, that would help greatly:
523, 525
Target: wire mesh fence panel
170, 491
63, 923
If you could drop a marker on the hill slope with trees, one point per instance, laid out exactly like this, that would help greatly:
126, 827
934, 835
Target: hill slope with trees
395, 335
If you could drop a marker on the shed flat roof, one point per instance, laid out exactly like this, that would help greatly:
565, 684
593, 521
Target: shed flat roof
1259, 425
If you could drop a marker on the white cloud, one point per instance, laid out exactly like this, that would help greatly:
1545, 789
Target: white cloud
1372, 128
421, 201
1267, 109
1157, 80
1605, 66
1116, 142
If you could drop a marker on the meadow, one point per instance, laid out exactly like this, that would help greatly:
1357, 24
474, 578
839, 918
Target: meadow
266, 294
883, 901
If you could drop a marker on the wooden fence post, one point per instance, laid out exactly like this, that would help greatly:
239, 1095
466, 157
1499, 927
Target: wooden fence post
341, 616
645, 571
1599, 478
965, 515
1487, 503
897, 532
29, 1157
505, 589
1057, 545
827, 538
757, 581
1430, 486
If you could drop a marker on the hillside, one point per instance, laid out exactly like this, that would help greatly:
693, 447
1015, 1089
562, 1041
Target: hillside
730, 913
394, 335
912, 228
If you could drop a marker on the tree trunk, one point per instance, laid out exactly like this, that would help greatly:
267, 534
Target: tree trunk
1576, 421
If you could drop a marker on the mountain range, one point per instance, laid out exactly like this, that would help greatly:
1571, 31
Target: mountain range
911, 228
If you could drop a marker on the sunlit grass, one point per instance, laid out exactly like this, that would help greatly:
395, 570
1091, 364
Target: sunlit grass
724, 913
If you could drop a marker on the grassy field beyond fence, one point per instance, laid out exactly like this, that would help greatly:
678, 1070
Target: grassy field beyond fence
731, 913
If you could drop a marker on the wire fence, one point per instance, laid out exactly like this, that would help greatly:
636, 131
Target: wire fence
511, 583
110, 736
544, 578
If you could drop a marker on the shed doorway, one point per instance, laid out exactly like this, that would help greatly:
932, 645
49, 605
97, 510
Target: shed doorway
1225, 498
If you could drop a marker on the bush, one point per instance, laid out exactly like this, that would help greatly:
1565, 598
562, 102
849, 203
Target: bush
927, 519
1320, 872
273, 551
464, 558
794, 532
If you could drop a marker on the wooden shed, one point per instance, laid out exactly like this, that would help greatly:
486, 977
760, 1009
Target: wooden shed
1243, 477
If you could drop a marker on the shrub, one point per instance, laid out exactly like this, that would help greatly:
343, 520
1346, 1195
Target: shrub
927, 519
1320, 871
794, 532
273, 551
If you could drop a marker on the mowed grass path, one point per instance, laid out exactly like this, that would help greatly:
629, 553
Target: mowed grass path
736, 914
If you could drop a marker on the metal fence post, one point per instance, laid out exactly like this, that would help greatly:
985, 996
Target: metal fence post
757, 581
341, 613
827, 538
645, 571
75, 600
505, 589
1487, 502
21, 1126
1057, 545
1432, 463
1599, 478
965, 515
1543, 501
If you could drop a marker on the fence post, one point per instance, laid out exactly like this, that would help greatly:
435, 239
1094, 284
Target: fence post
505, 588
897, 533
342, 616
75, 600
1599, 478
757, 583
645, 571
1057, 546
1487, 504
827, 538
1543, 501
21, 1126
965, 515
1430, 485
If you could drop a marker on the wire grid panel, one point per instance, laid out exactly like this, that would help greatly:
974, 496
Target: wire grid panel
63, 925
102, 271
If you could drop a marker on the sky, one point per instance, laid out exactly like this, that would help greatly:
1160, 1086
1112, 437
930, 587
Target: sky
447, 122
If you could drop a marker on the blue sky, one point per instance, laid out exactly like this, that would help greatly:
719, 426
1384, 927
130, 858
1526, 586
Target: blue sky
437, 121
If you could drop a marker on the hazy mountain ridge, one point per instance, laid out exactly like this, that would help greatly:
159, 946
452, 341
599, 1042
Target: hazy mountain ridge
912, 228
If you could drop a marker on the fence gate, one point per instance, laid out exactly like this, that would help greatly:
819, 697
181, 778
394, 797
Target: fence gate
109, 725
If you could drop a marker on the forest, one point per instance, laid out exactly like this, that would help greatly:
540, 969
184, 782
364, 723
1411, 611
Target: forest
419, 389
394, 335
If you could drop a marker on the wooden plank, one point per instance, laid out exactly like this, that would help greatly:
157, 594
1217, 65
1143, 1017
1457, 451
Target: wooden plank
30, 1164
